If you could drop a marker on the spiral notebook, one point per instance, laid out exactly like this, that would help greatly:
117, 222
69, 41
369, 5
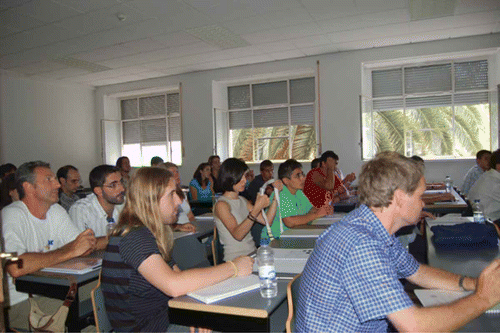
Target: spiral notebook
227, 288
435, 297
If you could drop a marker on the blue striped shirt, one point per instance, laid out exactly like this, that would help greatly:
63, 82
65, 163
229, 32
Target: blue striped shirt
132, 303
351, 281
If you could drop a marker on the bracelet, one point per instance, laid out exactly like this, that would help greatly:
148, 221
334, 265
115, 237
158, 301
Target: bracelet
251, 217
461, 283
236, 271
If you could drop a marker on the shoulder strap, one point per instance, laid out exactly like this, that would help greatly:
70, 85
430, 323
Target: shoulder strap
70, 296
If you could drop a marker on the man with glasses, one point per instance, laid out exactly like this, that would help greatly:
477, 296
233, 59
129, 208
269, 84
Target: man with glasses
295, 209
41, 233
103, 206
70, 180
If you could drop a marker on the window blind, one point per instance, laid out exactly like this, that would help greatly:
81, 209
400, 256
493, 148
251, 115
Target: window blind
433, 81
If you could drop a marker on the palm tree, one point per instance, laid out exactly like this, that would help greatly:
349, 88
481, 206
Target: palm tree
433, 131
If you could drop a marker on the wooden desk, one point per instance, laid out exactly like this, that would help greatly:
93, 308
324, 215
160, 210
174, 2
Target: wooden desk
204, 228
246, 312
347, 205
470, 263
441, 208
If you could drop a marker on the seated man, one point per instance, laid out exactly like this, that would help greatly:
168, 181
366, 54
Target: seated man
70, 180
294, 207
322, 181
250, 193
483, 158
266, 173
100, 208
487, 189
156, 161
184, 214
348, 179
351, 280
41, 233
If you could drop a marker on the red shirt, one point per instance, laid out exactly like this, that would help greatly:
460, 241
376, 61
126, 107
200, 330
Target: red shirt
316, 194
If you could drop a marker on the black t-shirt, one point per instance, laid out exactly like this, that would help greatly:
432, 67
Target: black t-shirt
132, 303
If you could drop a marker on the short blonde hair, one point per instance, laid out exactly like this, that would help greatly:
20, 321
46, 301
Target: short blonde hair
382, 176
142, 207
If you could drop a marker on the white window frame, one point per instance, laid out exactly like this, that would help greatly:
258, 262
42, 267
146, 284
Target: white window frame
367, 100
222, 144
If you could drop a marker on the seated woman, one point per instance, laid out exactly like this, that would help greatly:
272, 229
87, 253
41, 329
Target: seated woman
235, 215
138, 275
201, 186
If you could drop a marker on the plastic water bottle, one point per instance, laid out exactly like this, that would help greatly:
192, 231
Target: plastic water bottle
448, 183
267, 272
477, 209
110, 226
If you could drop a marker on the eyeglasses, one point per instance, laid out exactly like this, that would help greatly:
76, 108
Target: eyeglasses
114, 185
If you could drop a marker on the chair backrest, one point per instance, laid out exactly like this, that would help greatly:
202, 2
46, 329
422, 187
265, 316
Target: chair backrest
292, 294
100, 315
217, 248
188, 252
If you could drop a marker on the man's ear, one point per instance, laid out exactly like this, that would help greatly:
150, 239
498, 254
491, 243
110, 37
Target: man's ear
399, 197
28, 188
62, 181
285, 181
97, 191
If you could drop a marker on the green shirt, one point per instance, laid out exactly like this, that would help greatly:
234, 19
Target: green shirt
290, 205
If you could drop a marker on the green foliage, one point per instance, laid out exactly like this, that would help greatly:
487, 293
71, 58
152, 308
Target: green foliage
433, 132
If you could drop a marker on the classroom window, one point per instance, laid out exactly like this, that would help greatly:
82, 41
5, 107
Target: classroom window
151, 126
272, 120
436, 110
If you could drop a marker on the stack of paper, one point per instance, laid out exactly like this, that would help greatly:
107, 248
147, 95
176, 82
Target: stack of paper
289, 260
75, 266
230, 287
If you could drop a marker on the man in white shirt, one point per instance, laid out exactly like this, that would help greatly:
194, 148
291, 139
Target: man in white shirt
487, 189
41, 233
483, 158
102, 206
184, 216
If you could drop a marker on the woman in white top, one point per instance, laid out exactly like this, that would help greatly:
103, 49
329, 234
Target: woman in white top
235, 215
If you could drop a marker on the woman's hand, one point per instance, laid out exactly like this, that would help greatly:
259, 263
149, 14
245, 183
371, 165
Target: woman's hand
278, 184
261, 202
244, 265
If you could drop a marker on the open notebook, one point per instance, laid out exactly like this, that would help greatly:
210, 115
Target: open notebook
75, 266
227, 288
435, 297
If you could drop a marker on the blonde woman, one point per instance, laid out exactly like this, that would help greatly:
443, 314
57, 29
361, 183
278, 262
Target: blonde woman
138, 276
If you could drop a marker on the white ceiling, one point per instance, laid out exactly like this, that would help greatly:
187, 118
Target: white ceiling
84, 41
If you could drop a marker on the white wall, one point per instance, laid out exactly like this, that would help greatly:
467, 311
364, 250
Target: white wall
48, 121
340, 87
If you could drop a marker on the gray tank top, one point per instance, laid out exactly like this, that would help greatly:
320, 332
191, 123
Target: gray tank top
232, 247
